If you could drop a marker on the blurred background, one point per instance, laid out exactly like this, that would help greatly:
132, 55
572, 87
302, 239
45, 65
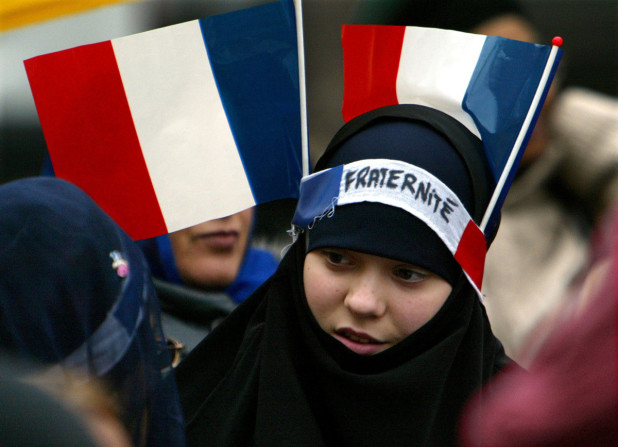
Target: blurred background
589, 29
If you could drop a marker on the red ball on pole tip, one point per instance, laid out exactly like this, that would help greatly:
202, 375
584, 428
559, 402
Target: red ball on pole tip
557, 41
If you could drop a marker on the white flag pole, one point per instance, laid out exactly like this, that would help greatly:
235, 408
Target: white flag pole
523, 131
302, 84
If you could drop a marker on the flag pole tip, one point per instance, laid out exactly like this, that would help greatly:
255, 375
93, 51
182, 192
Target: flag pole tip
557, 41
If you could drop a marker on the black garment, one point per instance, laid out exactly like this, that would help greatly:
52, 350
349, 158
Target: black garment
269, 376
188, 314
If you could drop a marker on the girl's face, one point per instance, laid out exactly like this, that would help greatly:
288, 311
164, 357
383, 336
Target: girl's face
367, 302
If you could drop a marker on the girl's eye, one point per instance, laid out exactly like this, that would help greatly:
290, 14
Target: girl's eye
336, 258
410, 274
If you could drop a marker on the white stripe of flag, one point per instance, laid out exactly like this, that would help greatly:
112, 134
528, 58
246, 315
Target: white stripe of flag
195, 132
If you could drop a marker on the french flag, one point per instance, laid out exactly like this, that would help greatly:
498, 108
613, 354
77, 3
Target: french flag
173, 127
492, 85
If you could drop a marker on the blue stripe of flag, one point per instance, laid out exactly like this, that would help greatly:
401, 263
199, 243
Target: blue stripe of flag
498, 97
254, 57
317, 194
493, 220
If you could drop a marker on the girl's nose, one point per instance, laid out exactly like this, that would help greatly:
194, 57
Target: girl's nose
365, 299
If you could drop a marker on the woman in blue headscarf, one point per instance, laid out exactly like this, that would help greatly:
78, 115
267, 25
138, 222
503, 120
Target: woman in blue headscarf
76, 296
203, 272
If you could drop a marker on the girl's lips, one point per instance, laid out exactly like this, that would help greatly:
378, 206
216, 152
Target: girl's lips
359, 342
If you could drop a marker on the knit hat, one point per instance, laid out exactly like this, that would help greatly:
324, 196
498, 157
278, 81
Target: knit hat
418, 136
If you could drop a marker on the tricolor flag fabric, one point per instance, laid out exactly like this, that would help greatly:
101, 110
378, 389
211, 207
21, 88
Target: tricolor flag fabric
176, 126
494, 86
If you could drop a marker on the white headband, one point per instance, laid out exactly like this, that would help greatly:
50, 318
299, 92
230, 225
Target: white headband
401, 185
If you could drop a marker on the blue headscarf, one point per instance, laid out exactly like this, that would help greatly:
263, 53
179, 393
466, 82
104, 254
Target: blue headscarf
256, 267
76, 294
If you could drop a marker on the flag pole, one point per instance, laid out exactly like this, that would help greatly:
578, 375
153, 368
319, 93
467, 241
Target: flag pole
549, 66
302, 86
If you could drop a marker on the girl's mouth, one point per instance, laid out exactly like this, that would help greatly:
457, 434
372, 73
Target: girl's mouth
359, 342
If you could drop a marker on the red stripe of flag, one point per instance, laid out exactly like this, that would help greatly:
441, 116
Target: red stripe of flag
471, 253
90, 134
370, 79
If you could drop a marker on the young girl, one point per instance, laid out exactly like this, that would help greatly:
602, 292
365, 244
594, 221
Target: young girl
369, 333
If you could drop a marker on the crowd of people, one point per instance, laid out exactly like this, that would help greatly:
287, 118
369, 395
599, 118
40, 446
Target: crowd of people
370, 329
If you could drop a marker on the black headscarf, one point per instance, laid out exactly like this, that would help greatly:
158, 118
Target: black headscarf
270, 376
76, 295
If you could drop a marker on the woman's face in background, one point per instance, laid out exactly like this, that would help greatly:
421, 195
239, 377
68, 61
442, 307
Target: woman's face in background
370, 303
209, 255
